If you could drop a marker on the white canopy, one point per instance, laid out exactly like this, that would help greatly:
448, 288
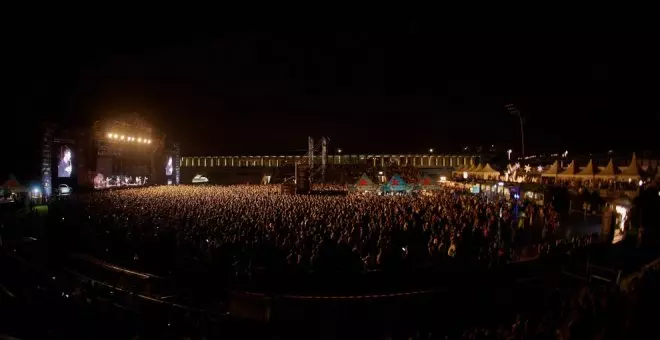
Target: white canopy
552, 171
569, 172
476, 170
588, 172
460, 169
488, 171
632, 172
609, 172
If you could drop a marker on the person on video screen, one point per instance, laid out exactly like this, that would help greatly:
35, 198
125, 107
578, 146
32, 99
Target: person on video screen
64, 168
168, 167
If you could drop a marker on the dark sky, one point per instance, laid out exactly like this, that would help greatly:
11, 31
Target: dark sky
263, 93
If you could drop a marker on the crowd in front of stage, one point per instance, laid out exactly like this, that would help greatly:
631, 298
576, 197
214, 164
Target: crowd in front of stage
252, 226
255, 226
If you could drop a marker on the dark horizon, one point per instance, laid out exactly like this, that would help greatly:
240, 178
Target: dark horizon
264, 93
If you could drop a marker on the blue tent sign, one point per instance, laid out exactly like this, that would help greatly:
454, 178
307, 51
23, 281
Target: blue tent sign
396, 183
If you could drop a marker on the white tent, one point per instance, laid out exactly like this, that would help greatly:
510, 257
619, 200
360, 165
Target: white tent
459, 171
553, 171
609, 172
569, 172
487, 172
589, 172
632, 172
477, 170
470, 169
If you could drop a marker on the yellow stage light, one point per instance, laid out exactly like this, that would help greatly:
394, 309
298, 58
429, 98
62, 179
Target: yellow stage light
109, 135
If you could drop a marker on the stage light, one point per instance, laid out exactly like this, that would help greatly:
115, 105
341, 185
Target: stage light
109, 135
122, 137
139, 140
115, 136
149, 141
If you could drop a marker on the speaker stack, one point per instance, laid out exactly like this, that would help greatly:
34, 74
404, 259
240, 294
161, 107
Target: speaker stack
302, 179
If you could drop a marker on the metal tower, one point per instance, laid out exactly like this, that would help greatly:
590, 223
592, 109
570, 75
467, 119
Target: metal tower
324, 156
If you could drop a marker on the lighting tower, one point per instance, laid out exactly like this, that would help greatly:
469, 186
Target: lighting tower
310, 154
324, 156
513, 110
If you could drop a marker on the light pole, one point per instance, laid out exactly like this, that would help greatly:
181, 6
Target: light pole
514, 111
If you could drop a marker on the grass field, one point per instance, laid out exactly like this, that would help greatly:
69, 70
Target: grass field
41, 209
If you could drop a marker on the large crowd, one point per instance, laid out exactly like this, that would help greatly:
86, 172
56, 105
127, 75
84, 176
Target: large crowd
254, 226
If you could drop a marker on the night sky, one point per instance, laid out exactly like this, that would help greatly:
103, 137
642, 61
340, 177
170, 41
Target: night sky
264, 93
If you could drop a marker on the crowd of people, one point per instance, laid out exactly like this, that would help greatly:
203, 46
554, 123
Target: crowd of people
255, 226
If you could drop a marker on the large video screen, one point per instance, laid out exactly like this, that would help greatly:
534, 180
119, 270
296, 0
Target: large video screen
65, 162
169, 169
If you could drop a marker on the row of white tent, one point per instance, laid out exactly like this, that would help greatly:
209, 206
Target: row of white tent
480, 171
611, 172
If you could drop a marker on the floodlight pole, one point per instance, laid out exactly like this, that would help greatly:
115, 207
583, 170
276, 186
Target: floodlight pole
514, 111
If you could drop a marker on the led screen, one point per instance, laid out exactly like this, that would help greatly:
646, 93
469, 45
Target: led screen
168, 167
65, 162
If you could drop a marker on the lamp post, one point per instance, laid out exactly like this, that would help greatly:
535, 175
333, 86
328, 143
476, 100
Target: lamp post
509, 153
514, 111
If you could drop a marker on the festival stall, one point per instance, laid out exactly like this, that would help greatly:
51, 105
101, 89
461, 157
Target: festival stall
498, 188
588, 173
12, 186
552, 171
12, 190
569, 173
474, 172
465, 172
609, 172
487, 172
632, 172
365, 184
458, 172
427, 184
532, 191
396, 184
